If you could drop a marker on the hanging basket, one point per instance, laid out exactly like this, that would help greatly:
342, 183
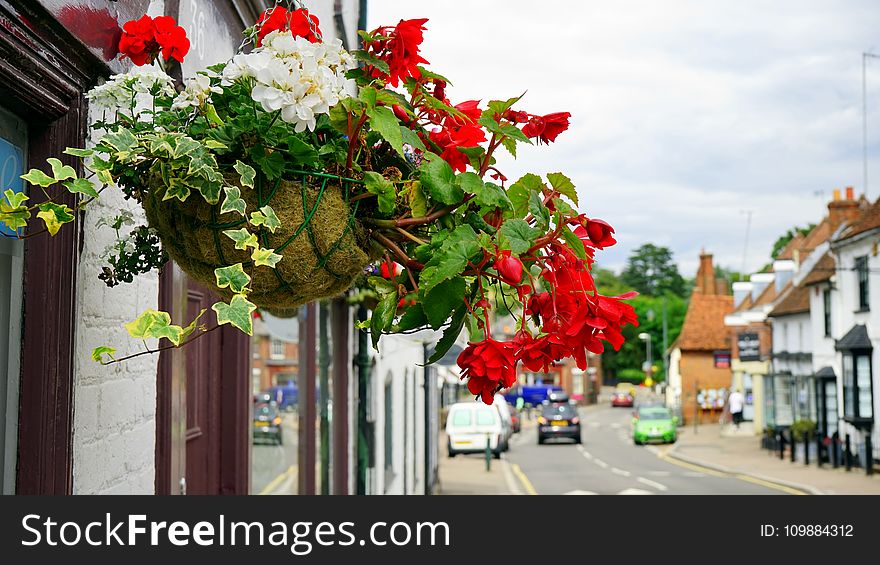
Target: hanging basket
321, 242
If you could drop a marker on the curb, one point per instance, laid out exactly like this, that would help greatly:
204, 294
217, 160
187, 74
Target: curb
672, 452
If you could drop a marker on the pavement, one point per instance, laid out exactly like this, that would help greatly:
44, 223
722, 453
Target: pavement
274, 467
717, 447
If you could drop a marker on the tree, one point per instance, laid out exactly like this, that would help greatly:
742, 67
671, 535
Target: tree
785, 238
729, 275
650, 270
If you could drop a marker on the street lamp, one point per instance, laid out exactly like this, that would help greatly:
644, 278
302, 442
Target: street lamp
646, 337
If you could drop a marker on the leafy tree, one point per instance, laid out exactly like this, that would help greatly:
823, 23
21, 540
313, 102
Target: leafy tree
783, 240
729, 275
608, 283
651, 271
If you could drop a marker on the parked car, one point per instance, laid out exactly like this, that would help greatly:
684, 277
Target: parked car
506, 413
622, 398
470, 426
268, 423
554, 396
559, 421
654, 423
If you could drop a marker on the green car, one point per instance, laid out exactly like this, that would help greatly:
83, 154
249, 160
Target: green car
654, 423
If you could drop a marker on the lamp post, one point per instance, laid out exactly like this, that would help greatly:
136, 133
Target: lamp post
646, 337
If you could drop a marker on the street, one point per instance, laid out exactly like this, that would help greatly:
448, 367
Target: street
606, 463
274, 467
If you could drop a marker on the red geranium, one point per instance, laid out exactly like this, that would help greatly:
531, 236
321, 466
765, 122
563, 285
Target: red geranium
299, 22
143, 39
489, 366
547, 128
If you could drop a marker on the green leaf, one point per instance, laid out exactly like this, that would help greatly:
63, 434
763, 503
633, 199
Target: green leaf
153, 324
61, 171
265, 257
54, 215
512, 132
37, 177
451, 259
437, 176
266, 217
501, 106
15, 199
233, 201
233, 277
371, 59
439, 303
187, 331
271, 163
246, 172
301, 153
510, 145
382, 285
214, 144
574, 242
470, 182
418, 202
520, 236
177, 189
242, 238
383, 317
186, 146
237, 312
82, 153
367, 95
123, 141
384, 122
563, 185
81, 186
411, 138
413, 317
99, 352
383, 189
539, 211
450, 335
519, 199
531, 182
492, 196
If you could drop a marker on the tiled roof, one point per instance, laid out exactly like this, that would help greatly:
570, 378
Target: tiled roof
768, 295
817, 237
746, 304
795, 302
855, 338
870, 219
704, 328
794, 243
822, 271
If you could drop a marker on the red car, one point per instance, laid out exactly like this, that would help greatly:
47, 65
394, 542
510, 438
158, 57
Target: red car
622, 398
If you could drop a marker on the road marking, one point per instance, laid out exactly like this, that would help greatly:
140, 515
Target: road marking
511, 481
580, 448
768, 484
526, 483
581, 492
651, 483
691, 466
600, 463
634, 491
587, 454
274, 483
620, 472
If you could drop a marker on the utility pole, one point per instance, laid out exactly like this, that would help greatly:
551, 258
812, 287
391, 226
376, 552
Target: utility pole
865, 57
748, 214
665, 346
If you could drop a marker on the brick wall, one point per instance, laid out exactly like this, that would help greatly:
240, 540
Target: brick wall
698, 370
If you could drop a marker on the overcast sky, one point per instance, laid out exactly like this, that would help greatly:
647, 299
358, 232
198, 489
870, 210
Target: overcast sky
684, 114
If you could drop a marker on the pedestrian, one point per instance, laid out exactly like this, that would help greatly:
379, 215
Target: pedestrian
735, 403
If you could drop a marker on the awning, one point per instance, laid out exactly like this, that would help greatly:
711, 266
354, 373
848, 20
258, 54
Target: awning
856, 338
825, 373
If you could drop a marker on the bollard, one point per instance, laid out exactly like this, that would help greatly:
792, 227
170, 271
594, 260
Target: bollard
792, 443
869, 455
806, 449
781, 442
819, 450
835, 447
847, 458
488, 452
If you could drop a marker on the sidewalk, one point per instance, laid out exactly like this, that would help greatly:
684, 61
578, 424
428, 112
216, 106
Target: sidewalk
738, 454
466, 474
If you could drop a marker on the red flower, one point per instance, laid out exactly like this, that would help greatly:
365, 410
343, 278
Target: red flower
143, 39
399, 47
471, 111
599, 232
510, 269
547, 128
489, 366
450, 139
538, 355
299, 22
172, 38
138, 41
516, 116
389, 273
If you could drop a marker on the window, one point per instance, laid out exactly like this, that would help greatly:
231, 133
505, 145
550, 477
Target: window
461, 418
826, 310
857, 390
862, 272
277, 349
389, 429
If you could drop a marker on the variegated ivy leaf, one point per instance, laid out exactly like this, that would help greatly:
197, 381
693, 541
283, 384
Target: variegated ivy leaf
12, 213
14, 199
266, 217
247, 173
214, 144
81, 153
184, 146
61, 171
242, 238
123, 141
81, 186
54, 215
99, 352
233, 201
153, 324
193, 326
265, 257
238, 313
38, 178
233, 277
176, 189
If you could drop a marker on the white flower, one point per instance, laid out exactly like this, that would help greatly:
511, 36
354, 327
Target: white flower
292, 75
120, 91
197, 92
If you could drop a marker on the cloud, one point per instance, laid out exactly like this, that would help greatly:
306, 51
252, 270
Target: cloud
684, 114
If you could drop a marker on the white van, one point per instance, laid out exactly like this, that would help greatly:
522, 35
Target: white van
470, 425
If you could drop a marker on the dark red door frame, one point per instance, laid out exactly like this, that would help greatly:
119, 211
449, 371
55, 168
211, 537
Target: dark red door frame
43, 75
341, 323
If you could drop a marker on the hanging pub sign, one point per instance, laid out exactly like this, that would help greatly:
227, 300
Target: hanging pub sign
749, 346
722, 359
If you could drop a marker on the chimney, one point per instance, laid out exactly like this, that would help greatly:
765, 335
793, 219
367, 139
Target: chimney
705, 281
760, 281
784, 270
741, 290
841, 211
